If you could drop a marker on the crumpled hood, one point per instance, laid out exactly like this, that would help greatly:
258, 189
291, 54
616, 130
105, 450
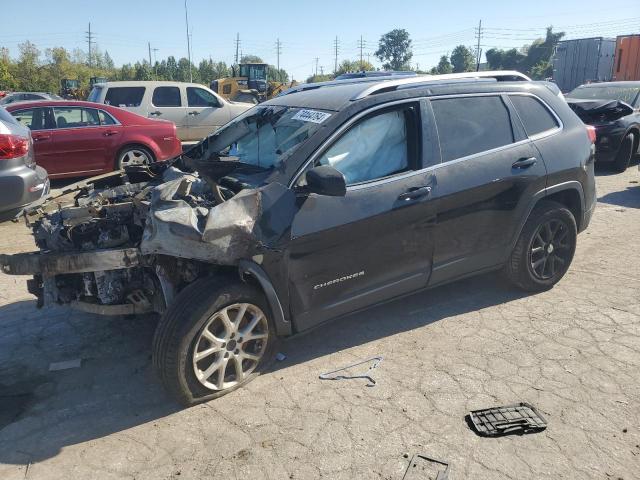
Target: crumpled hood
223, 233
594, 109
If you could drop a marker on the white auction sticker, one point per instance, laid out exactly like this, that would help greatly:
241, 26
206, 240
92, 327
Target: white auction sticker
311, 116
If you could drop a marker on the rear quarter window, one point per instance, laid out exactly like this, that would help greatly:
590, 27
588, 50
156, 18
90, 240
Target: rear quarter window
535, 117
470, 125
124, 96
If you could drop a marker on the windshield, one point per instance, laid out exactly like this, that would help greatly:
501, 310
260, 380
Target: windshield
265, 135
625, 94
253, 72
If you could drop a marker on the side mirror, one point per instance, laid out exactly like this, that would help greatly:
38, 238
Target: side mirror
326, 180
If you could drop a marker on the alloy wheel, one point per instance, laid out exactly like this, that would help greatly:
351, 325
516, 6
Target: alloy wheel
230, 346
550, 249
134, 157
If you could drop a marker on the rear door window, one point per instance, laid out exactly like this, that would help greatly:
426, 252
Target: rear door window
534, 115
124, 96
166, 97
35, 118
105, 118
75, 117
470, 125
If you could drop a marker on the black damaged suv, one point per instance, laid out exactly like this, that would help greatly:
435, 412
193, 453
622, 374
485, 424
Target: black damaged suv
325, 200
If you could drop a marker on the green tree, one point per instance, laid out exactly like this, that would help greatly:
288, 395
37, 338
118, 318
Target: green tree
27, 70
172, 68
444, 66
319, 78
108, 62
7, 82
143, 71
462, 60
394, 50
347, 66
251, 59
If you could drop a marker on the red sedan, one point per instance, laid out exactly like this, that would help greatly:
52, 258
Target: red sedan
80, 139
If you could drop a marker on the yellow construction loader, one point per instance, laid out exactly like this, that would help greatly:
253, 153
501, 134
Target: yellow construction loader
249, 83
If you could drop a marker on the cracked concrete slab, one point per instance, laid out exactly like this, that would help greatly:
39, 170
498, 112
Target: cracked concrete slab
573, 352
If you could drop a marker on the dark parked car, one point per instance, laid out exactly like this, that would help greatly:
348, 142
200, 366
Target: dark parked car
613, 108
81, 139
318, 203
21, 181
14, 97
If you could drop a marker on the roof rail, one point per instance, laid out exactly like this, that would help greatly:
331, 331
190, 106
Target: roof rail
414, 82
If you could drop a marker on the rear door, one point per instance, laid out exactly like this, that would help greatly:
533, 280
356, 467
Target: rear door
41, 122
167, 103
206, 113
489, 173
82, 146
375, 242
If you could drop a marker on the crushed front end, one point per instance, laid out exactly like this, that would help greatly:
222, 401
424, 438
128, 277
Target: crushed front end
127, 242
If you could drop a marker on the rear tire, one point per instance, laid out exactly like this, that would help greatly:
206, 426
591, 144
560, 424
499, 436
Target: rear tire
201, 354
133, 155
545, 248
625, 153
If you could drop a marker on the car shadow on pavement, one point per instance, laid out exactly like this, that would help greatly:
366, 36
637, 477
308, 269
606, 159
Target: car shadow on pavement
629, 197
115, 388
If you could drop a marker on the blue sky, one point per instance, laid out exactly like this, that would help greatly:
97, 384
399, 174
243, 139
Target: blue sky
306, 29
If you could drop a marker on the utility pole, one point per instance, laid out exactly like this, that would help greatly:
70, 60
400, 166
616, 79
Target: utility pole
155, 62
89, 41
278, 52
361, 47
317, 66
478, 51
149, 45
321, 70
335, 46
237, 46
186, 21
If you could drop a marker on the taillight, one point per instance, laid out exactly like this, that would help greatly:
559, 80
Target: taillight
13, 146
591, 132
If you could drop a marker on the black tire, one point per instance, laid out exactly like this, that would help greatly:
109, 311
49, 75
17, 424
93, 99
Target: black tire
119, 164
179, 332
625, 153
526, 268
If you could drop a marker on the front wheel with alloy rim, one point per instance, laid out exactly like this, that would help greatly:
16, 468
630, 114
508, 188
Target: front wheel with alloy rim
545, 248
216, 336
134, 155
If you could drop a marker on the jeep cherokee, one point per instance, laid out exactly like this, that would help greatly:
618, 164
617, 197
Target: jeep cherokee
325, 200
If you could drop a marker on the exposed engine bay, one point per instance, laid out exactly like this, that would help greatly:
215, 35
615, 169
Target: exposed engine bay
127, 242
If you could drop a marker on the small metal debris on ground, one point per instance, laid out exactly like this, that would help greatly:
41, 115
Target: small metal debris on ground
65, 365
422, 467
517, 419
280, 357
332, 375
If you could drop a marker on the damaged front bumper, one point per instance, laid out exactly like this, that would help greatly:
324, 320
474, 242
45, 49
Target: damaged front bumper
131, 241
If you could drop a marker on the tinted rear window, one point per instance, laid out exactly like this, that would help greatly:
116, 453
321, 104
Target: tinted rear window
166, 97
94, 96
124, 96
535, 116
470, 125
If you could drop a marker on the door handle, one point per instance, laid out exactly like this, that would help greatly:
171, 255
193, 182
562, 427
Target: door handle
108, 133
524, 162
194, 113
155, 114
415, 192
40, 138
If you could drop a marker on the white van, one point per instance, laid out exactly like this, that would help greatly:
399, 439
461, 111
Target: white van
196, 110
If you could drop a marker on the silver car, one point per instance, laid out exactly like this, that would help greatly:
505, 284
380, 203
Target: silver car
22, 182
